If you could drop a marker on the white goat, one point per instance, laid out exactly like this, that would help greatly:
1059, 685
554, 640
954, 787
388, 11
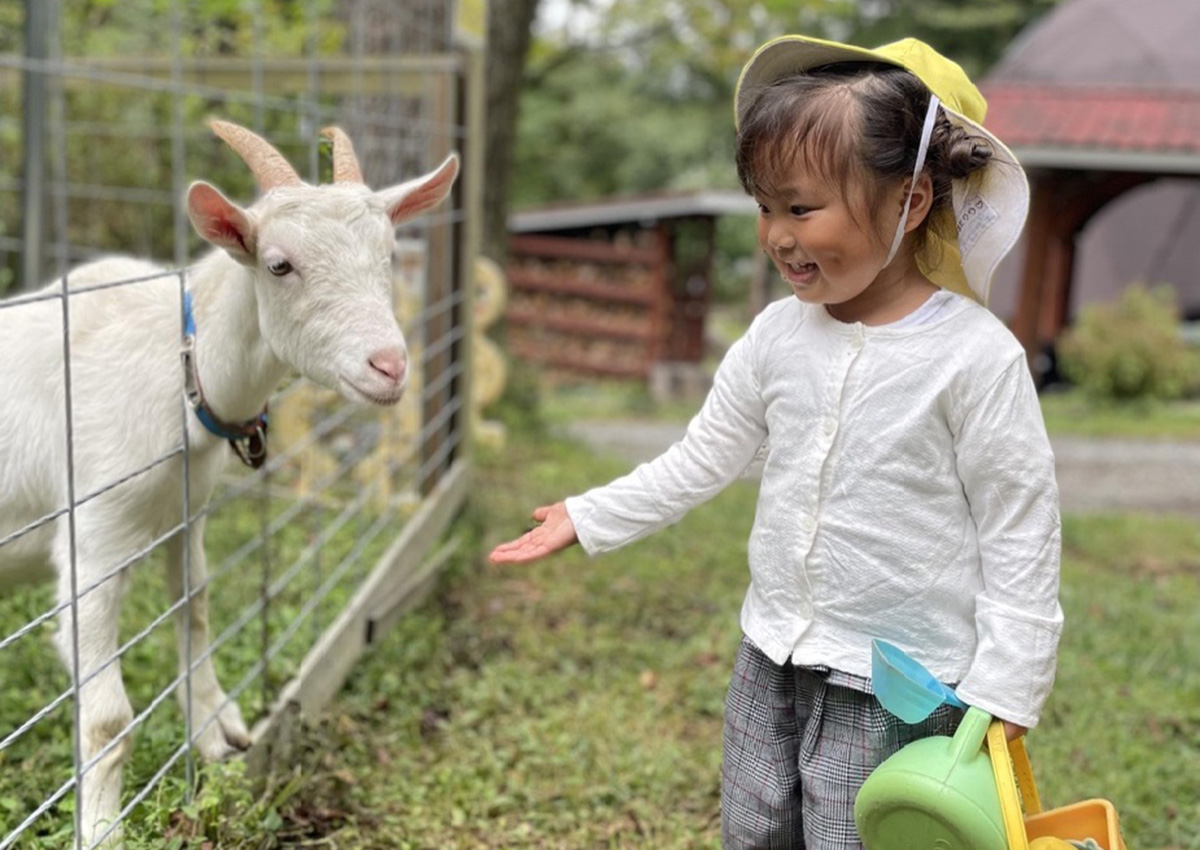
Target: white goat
302, 279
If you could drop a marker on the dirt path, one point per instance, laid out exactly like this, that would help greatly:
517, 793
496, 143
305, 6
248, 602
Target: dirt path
1093, 475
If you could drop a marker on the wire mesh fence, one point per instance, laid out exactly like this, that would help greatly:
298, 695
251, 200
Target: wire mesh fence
119, 576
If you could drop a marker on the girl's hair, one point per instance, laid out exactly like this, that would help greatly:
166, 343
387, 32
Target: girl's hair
859, 125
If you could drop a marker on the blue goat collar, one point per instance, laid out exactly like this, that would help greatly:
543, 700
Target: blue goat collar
248, 438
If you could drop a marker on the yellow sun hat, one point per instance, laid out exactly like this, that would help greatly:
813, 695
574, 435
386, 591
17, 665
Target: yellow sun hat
988, 208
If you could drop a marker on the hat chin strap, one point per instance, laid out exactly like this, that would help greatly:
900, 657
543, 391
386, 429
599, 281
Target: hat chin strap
926, 132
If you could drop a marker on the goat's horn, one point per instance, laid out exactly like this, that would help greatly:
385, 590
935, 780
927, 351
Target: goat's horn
345, 163
269, 167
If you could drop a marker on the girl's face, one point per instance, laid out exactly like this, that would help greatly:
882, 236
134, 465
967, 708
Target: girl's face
826, 243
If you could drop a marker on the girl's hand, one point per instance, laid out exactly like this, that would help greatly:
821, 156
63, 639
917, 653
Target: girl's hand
1012, 731
555, 532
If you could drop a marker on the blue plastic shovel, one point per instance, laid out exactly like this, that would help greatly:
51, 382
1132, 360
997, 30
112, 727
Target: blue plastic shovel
904, 687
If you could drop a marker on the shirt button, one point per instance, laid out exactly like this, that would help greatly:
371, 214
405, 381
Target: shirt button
805, 610
829, 426
808, 524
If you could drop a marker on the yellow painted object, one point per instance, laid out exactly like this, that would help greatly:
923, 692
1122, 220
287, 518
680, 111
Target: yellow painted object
489, 367
1050, 843
1044, 830
1078, 822
291, 427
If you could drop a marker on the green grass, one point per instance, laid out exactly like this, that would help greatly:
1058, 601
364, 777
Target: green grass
1071, 413
1124, 722
1067, 413
611, 399
31, 675
577, 703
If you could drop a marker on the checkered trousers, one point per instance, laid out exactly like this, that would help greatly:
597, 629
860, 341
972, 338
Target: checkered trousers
799, 743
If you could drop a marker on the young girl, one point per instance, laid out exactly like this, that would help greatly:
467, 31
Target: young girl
908, 491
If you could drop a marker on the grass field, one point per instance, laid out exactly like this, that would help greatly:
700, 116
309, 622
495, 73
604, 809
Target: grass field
1067, 412
1070, 413
247, 628
577, 703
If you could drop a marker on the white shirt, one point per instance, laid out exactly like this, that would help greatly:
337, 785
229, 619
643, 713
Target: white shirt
908, 493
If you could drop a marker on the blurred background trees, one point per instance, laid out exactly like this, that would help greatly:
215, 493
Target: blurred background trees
623, 96
586, 98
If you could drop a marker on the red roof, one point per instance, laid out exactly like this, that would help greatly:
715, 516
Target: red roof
1102, 118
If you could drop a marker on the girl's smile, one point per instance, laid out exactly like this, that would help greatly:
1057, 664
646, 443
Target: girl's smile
800, 275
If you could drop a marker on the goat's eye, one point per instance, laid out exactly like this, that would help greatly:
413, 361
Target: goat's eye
279, 267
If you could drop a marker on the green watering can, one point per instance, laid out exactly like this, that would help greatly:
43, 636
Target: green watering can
937, 793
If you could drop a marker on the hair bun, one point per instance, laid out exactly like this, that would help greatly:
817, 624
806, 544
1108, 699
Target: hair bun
965, 152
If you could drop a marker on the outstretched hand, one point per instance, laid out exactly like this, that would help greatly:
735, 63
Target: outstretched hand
555, 532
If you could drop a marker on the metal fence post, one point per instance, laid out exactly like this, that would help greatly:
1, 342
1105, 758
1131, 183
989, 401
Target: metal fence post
39, 18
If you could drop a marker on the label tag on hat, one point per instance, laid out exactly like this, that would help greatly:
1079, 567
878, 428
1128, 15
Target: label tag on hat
974, 216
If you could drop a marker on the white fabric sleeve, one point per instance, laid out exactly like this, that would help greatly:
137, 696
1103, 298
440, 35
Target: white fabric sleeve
1007, 468
720, 441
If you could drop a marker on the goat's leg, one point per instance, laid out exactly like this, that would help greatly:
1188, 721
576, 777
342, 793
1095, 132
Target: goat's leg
104, 709
216, 720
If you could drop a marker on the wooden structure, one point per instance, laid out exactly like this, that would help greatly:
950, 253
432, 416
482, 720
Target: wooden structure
617, 286
1095, 103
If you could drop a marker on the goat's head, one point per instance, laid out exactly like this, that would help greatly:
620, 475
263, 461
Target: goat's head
321, 258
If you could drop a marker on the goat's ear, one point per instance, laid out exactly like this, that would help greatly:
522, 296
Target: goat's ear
414, 197
221, 222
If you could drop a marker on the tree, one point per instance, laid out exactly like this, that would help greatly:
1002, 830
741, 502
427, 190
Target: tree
510, 26
975, 33
641, 98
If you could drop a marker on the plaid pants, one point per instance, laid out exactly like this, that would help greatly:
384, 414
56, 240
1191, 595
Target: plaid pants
799, 743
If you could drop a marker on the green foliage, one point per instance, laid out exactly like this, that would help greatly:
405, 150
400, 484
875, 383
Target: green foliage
221, 810
98, 28
119, 157
592, 129
7, 275
1131, 349
12, 26
520, 406
975, 33
641, 98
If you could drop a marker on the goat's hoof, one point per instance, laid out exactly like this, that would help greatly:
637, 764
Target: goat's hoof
226, 737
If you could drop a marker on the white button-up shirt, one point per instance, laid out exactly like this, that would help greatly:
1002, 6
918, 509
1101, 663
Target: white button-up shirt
908, 493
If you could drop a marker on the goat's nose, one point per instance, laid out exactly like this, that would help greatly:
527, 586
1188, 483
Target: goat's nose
389, 362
